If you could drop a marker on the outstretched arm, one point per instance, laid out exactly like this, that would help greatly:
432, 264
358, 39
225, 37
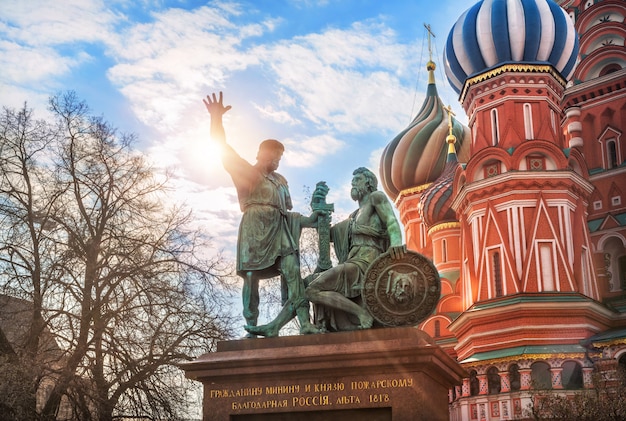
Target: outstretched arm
216, 109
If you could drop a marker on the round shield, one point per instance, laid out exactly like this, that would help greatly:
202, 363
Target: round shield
401, 292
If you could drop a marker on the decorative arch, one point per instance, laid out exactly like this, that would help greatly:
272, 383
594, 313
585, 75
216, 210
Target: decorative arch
602, 241
598, 60
554, 157
610, 68
459, 181
515, 378
437, 326
572, 375
577, 162
602, 10
613, 248
493, 157
474, 383
494, 384
450, 303
540, 375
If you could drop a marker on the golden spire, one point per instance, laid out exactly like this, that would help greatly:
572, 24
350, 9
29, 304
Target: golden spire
450, 139
430, 66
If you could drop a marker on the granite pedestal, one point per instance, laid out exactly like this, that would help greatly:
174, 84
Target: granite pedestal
385, 374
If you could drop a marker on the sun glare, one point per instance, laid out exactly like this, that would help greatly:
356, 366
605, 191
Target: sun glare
203, 154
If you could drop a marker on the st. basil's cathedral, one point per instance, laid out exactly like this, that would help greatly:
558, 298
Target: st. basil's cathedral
523, 211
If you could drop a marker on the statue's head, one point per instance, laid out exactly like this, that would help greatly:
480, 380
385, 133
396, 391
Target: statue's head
363, 181
270, 152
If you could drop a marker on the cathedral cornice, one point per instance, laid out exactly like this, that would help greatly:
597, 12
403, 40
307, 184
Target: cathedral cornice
511, 68
411, 191
444, 226
569, 181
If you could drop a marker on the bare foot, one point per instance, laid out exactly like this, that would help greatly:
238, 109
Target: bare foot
269, 331
366, 320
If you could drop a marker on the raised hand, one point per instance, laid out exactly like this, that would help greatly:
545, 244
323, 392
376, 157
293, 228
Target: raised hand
215, 106
216, 109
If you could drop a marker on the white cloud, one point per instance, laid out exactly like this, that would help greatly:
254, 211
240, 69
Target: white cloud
45, 23
349, 81
279, 116
163, 65
310, 151
33, 33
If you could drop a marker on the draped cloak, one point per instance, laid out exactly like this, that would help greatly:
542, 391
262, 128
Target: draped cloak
268, 231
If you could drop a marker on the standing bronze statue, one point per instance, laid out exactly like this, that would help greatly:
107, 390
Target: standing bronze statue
269, 232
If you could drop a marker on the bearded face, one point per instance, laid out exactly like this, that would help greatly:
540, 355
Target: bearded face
359, 187
402, 290
358, 193
401, 287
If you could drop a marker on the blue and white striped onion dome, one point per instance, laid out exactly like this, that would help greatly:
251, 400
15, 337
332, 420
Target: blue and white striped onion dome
493, 33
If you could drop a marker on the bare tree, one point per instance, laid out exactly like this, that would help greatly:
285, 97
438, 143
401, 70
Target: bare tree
606, 401
117, 276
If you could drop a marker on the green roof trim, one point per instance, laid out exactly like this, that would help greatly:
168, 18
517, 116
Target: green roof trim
607, 336
594, 224
525, 351
593, 171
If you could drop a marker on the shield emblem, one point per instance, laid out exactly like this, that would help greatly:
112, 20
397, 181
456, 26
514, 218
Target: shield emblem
401, 292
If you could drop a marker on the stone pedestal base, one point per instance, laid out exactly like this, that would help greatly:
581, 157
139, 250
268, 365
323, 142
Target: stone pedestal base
387, 374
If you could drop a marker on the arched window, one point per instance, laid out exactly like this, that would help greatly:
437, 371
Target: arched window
444, 250
495, 130
514, 378
437, 328
528, 122
540, 375
572, 375
614, 253
493, 381
474, 383
613, 67
611, 151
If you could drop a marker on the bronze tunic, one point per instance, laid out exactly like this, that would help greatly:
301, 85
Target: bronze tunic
267, 229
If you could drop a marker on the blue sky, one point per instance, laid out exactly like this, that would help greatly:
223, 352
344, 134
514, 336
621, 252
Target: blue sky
335, 81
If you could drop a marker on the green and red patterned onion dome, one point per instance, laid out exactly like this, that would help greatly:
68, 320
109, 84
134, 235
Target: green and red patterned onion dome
435, 205
493, 33
417, 155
